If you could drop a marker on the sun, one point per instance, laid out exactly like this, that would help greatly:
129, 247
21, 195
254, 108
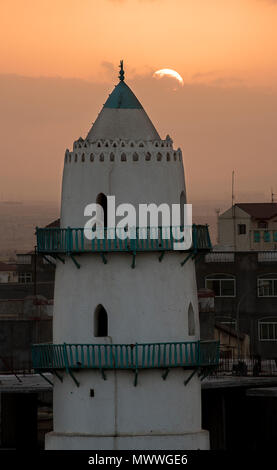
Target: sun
169, 73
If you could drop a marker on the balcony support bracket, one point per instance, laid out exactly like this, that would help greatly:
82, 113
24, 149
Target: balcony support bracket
136, 377
73, 377
75, 261
104, 259
103, 374
45, 378
165, 374
186, 259
48, 260
58, 375
60, 259
190, 377
161, 256
134, 260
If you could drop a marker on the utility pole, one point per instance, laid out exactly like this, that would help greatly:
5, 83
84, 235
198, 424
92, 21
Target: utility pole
234, 210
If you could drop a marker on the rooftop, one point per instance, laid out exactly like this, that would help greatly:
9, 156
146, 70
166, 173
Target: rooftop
259, 210
122, 117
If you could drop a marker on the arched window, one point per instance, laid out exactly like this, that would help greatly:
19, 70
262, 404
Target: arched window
223, 285
267, 285
182, 203
100, 321
191, 321
102, 201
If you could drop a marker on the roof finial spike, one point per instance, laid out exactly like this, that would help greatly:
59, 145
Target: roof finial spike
121, 72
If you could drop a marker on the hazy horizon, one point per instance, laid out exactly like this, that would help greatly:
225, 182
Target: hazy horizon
59, 62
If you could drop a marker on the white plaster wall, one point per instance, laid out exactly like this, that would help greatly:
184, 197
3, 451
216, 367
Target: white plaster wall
154, 406
146, 304
131, 182
228, 230
188, 441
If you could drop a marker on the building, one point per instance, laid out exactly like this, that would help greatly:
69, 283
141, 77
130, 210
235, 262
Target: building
248, 226
245, 298
126, 355
8, 273
26, 309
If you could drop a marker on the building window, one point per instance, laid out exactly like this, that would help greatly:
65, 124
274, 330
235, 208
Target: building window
223, 285
24, 278
262, 224
191, 321
267, 330
102, 201
241, 229
267, 286
229, 323
100, 321
24, 259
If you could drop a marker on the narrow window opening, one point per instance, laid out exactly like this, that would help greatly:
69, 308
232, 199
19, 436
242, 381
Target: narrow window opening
191, 321
102, 201
182, 208
100, 321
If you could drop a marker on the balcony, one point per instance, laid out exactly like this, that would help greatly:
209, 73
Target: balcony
73, 357
73, 240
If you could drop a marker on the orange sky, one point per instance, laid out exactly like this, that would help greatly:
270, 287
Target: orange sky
58, 62
71, 38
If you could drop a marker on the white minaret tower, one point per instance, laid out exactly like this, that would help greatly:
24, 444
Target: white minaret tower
126, 357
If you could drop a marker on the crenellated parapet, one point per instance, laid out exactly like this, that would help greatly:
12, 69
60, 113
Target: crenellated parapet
123, 150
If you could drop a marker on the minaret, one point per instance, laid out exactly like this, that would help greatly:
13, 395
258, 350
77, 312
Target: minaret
126, 357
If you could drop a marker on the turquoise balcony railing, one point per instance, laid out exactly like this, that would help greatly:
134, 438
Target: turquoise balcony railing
74, 241
49, 357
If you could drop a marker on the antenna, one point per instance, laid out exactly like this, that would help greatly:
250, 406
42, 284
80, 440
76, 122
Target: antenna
217, 210
233, 184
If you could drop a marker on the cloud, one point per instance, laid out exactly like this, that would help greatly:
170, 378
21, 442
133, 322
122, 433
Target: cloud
109, 66
269, 1
219, 127
214, 78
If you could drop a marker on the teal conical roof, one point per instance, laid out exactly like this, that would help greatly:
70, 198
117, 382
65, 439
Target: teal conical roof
122, 116
122, 97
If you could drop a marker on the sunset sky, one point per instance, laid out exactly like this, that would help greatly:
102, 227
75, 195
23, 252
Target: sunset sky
59, 60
